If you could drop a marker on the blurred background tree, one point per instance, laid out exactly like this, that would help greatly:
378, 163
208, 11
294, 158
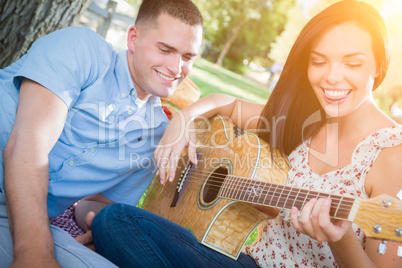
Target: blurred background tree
238, 30
240, 35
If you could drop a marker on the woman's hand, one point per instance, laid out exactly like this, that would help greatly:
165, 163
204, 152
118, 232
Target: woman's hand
86, 239
315, 221
179, 134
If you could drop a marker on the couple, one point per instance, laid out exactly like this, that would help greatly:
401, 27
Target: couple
339, 58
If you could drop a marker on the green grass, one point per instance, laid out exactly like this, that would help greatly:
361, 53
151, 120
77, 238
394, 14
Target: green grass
211, 78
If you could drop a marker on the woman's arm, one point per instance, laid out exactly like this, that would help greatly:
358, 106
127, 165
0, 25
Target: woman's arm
383, 178
180, 131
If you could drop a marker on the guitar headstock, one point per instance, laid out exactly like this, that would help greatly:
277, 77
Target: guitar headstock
381, 217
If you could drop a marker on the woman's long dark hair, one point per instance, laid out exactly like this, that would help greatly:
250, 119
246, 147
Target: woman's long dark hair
293, 113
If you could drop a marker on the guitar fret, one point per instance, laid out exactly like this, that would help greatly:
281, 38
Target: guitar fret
279, 196
337, 207
289, 192
223, 189
297, 196
229, 188
261, 187
239, 186
246, 195
233, 187
244, 189
304, 201
273, 195
345, 208
266, 195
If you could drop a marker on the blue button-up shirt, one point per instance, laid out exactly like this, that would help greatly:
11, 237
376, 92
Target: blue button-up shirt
105, 147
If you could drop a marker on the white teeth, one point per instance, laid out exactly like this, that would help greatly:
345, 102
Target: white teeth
336, 93
165, 77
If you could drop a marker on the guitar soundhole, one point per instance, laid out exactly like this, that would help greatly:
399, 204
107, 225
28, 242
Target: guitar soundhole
214, 183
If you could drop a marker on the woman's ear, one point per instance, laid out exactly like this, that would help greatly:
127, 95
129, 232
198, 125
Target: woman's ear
132, 37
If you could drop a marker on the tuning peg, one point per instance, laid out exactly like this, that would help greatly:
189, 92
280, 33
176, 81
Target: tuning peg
399, 194
399, 254
377, 228
382, 247
386, 203
398, 232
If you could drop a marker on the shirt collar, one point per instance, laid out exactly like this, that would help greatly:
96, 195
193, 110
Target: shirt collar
124, 80
126, 84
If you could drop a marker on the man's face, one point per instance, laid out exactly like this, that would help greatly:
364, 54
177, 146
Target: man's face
161, 56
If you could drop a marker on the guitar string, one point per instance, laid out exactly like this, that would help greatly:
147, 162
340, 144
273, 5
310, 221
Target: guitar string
217, 183
219, 179
343, 207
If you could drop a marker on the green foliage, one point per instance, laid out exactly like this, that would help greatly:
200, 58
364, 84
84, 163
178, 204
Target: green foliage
252, 237
260, 21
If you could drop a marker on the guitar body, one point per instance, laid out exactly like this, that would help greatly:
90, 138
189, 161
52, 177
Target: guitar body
221, 224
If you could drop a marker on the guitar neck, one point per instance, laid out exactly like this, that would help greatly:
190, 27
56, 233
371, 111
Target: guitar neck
282, 196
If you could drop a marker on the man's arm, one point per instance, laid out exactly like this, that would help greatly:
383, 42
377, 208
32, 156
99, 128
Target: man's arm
39, 122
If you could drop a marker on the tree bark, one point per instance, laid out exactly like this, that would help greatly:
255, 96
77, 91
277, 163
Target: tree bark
24, 21
235, 33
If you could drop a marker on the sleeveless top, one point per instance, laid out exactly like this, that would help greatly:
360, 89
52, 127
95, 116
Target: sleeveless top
278, 243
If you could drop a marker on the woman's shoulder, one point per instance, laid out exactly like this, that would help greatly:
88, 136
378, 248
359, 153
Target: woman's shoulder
385, 174
386, 136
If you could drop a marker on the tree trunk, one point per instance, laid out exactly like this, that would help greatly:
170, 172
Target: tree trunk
229, 42
24, 21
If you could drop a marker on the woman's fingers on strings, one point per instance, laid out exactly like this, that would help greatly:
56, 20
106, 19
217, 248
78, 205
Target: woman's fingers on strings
321, 220
192, 152
294, 218
174, 158
305, 218
162, 162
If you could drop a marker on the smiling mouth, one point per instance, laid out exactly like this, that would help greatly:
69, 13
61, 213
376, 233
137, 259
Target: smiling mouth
168, 78
335, 94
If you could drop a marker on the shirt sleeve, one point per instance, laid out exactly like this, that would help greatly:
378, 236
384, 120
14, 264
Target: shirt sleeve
66, 61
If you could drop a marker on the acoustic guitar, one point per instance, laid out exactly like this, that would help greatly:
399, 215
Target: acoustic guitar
214, 198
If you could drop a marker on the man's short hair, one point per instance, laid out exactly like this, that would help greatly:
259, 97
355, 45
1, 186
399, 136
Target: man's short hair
183, 10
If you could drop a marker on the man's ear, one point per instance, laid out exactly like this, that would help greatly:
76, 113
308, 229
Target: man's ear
132, 37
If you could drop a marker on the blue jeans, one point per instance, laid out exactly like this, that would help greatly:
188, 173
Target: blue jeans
132, 237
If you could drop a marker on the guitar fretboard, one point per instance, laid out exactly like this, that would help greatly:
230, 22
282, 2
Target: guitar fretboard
280, 196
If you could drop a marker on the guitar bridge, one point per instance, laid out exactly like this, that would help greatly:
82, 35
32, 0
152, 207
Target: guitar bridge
181, 185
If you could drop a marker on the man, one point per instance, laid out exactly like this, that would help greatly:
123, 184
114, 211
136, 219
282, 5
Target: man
79, 121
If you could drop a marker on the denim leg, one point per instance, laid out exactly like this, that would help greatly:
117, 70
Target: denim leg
132, 237
69, 253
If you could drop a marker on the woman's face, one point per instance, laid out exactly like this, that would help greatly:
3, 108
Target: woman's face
342, 69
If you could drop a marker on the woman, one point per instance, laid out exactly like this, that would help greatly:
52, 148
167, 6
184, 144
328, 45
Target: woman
335, 136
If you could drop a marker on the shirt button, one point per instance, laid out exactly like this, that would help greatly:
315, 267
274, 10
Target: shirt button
129, 112
123, 94
92, 150
71, 163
